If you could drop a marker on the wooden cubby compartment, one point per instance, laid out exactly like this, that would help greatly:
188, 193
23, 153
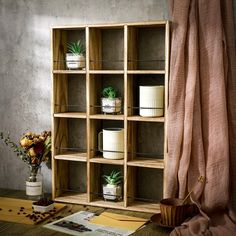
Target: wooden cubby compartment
136, 80
70, 141
143, 195
106, 48
61, 37
69, 95
146, 47
97, 170
71, 184
96, 126
143, 150
125, 56
100, 81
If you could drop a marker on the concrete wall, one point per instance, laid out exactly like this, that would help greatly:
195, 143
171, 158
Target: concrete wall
25, 85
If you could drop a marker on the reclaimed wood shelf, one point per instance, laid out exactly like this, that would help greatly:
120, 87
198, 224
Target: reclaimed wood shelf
124, 56
81, 115
72, 156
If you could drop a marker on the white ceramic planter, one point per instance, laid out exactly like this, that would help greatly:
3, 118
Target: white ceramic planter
75, 61
43, 209
111, 105
112, 192
151, 101
111, 143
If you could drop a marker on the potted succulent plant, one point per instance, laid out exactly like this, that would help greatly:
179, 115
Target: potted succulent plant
110, 102
112, 188
75, 58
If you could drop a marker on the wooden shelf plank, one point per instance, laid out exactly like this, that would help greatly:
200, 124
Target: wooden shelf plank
81, 115
113, 25
68, 197
102, 160
144, 207
109, 204
142, 72
106, 71
148, 119
72, 156
107, 117
69, 71
147, 162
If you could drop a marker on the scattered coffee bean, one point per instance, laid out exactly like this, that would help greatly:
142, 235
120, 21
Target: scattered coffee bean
10, 210
18, 213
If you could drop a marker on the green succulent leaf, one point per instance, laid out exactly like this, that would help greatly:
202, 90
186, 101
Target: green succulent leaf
76, 47
115, 178
109, 92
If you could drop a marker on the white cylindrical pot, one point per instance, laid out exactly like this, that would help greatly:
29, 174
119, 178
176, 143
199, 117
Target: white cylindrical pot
74, 61
112, 140
151, 101
34, 188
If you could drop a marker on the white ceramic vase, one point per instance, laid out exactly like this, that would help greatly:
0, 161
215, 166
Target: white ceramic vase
111, 143
151, 101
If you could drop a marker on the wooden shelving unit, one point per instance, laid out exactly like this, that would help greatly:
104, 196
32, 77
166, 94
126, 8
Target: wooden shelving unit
125, 56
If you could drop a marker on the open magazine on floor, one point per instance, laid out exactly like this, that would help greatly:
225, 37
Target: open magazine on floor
79, 224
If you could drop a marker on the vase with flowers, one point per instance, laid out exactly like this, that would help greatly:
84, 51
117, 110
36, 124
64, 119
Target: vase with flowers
33, 149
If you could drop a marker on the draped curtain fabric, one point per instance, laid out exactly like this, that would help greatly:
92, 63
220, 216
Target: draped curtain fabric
202, 114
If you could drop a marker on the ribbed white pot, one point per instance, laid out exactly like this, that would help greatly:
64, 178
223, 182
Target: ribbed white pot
74, 61
151, 101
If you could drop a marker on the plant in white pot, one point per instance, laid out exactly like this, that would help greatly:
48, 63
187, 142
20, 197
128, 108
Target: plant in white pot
75, 58
112, 188
110, 102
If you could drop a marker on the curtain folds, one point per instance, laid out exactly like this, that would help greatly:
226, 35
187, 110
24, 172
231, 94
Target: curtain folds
202, 113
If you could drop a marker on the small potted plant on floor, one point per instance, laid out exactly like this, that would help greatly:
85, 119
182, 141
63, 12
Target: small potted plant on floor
112, 188
75, 58
110, 102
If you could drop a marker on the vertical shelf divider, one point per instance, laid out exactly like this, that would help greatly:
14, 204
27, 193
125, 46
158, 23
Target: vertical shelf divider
125, 114
87, 112
167, 51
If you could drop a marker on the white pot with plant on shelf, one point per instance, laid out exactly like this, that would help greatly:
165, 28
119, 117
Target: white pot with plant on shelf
75, 57
112, 190
111, 104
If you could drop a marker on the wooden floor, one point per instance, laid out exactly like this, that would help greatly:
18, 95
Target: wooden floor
9, 228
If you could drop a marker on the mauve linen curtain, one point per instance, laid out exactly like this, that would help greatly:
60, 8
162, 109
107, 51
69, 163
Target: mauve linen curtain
202, 114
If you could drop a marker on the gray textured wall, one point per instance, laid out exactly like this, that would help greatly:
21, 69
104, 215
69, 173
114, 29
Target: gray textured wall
25, 86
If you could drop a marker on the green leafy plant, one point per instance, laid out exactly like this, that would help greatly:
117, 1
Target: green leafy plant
76, 48
115, 178
109, 92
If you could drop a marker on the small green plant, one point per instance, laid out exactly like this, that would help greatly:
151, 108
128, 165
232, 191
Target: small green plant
109, 92
115, 178
76, 48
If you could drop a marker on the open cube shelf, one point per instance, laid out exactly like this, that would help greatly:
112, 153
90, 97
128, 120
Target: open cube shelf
123, 56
